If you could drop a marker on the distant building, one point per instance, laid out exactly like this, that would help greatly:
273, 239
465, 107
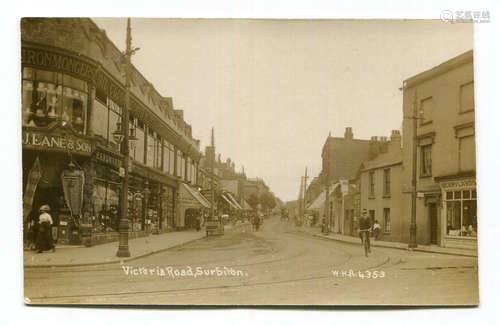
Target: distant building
446, 156
342, 158
255, 186
381, 191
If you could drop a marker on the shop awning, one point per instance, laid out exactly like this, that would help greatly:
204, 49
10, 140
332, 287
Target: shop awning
319, 202
246, 206
233, 200
197, 195
228, 201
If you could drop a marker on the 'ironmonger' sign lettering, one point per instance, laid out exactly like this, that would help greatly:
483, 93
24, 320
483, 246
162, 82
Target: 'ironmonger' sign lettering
64, 143
41, 58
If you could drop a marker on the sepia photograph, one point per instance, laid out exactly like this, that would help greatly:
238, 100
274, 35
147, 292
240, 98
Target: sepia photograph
249, 162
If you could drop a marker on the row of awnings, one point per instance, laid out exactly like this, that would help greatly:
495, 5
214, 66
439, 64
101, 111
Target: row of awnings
231, 201
204, 202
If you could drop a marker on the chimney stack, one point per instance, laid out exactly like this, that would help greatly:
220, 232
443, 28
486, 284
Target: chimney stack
348, 133
395, 139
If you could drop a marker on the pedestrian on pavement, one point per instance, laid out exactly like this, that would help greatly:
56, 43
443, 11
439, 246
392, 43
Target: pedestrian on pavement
376, 230
198, 223
44, 239
31, 230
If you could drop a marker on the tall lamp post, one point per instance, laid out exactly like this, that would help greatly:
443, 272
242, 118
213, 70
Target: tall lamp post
122, 133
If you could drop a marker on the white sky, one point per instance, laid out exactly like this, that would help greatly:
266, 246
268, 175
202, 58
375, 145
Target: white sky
274, 89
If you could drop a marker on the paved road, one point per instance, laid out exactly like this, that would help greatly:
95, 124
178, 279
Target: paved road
276, 265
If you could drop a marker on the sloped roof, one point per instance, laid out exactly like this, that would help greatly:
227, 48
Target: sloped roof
385, 159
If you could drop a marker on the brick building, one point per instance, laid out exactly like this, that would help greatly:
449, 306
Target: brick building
446, 159
342, 158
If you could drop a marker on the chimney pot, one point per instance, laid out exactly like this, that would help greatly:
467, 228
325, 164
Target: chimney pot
348, 133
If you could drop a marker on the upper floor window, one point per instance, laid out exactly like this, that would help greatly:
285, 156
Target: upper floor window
50, 96
426, 161
467, 97
467, 153
153, 155
387, 182
139, 144
426, 109
372, 183
179, 164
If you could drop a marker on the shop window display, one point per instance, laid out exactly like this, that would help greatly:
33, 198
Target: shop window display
461, 213
50, 96
135, 207
105, 200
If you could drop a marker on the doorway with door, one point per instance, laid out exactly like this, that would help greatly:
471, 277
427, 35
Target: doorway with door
433, 223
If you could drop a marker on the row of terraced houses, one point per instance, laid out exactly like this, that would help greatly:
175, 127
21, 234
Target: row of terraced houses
376, 174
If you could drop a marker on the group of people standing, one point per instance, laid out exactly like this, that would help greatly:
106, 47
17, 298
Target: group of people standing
39, 232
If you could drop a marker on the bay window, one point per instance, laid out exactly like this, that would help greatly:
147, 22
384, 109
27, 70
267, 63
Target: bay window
49, 96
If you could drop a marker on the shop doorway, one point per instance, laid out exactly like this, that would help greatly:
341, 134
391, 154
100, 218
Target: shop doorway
190, 217
433, 223
372, 216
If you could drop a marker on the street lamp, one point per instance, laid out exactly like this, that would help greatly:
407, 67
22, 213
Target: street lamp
122, 135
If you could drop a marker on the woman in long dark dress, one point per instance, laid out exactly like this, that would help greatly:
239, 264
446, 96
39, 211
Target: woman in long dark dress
44, 238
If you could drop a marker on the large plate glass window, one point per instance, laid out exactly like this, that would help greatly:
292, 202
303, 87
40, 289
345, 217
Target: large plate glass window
461, 213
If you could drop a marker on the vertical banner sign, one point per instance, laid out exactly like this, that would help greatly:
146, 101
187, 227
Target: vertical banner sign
72, 181
33, 177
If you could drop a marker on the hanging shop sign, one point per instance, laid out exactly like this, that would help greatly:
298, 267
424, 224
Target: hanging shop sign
61, 143
72, 181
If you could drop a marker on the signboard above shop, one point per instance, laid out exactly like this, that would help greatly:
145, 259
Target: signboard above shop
56, 142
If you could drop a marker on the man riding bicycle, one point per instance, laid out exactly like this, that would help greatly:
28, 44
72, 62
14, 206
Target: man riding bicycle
365, 226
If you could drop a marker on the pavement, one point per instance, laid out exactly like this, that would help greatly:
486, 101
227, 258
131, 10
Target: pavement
66, 256
390, 244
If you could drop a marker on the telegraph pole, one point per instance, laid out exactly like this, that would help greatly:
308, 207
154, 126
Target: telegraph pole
413, 220
305, 190
212, 183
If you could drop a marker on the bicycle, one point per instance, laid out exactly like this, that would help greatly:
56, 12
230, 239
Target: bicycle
365, 234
